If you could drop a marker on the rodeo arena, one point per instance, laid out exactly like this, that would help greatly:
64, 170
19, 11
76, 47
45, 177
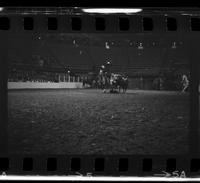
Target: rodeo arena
98, 94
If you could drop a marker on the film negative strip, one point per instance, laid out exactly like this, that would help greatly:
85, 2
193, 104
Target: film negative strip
108, 92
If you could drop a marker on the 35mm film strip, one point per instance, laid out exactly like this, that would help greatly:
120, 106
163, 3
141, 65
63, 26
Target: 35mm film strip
164, 23
110, 92
143, 166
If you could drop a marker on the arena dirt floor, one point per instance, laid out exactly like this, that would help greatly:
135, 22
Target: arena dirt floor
87, 121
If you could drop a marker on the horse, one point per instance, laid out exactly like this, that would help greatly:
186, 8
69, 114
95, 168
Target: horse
118, 82
103, 82
113, 82
124, 84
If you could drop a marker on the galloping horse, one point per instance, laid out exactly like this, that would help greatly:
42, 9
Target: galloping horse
104, 82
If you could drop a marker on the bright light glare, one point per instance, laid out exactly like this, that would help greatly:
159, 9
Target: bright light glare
111, 10
1, 8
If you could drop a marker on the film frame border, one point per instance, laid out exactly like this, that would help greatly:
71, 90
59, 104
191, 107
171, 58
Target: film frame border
136, 163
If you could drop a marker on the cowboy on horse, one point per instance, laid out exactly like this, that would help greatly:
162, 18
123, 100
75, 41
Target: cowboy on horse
103, 78
112, 81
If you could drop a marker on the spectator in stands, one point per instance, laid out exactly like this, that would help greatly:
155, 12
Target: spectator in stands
158, 83
161, 83
141, 83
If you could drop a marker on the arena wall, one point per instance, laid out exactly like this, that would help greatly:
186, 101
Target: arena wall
138, 83
43, 85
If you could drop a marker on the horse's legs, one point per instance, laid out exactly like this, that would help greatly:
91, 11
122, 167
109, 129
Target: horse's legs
111, 88
119, 89
123, 90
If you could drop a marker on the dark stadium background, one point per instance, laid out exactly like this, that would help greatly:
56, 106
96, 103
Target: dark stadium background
84, 53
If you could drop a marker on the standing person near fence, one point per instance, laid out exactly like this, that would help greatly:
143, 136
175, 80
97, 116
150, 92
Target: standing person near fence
185, 82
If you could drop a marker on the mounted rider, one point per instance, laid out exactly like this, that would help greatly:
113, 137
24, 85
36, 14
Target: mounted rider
104, 76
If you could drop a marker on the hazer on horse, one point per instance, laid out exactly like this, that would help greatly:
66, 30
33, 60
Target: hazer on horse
103, 80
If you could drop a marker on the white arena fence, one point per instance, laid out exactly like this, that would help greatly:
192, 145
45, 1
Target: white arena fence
44, 85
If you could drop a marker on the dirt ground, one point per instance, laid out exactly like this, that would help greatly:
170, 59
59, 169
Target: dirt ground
87, 121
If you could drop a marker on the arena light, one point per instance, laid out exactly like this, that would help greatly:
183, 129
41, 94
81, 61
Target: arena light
140, 47
107, 46
174, 45
74, 42
1, 8
112, 10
